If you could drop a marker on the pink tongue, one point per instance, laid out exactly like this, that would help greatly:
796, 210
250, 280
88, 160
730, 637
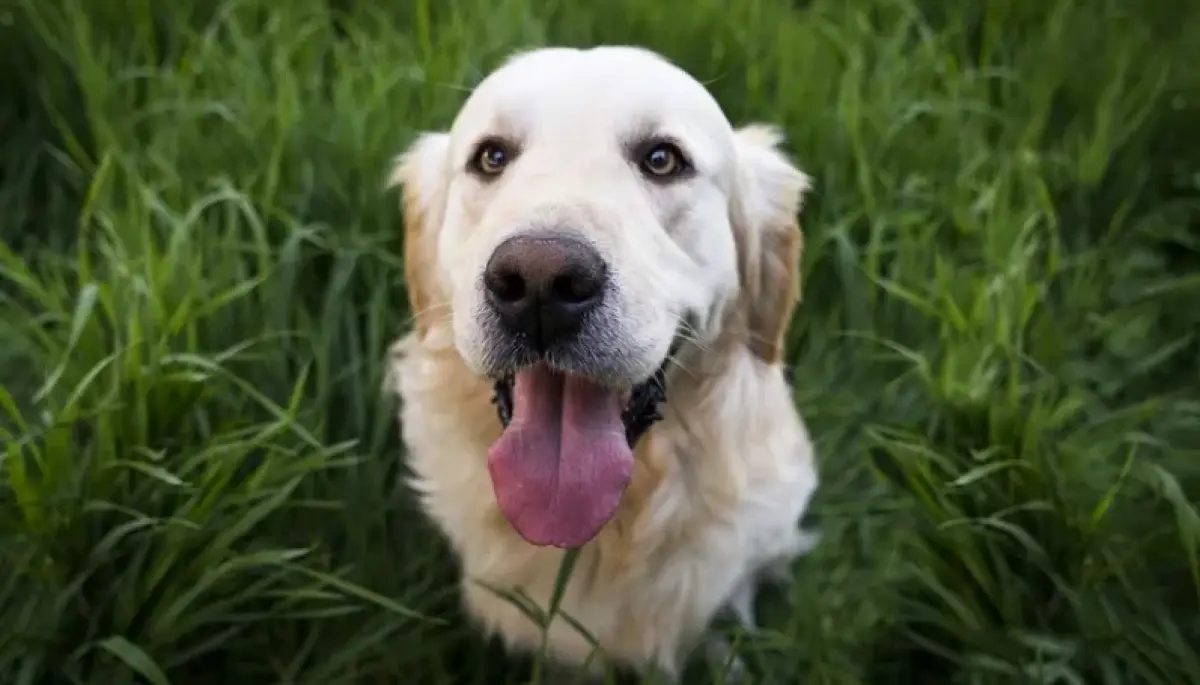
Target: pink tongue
561, 466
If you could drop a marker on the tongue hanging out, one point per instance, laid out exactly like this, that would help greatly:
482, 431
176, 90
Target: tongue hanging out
563, 462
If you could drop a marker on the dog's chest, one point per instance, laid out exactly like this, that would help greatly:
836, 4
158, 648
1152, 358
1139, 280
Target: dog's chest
645, 589
685, 540
642, 594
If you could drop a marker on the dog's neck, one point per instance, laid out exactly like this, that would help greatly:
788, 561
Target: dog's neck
719, 400
716, 389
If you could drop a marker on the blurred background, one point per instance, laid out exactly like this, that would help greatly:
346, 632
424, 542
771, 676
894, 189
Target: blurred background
201, 478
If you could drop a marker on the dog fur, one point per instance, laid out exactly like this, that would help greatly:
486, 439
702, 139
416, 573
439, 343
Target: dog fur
720, 484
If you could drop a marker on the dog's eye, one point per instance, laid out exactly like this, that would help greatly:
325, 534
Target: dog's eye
491, 157
663, 161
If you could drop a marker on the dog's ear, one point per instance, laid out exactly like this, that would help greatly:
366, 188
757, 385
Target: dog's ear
421, 172
764, 212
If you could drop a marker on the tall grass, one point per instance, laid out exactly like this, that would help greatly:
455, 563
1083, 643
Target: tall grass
997, 352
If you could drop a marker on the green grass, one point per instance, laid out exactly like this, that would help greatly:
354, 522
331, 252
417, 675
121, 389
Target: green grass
997, 351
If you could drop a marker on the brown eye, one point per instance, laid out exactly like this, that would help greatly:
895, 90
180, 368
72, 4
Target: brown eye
663, 160
490, 158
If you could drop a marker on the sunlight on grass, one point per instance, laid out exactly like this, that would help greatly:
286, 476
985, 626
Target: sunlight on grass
997, 351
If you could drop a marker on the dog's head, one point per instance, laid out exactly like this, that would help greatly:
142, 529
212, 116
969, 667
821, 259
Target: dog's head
587, 212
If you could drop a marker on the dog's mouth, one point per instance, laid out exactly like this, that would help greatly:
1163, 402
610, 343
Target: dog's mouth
561, 466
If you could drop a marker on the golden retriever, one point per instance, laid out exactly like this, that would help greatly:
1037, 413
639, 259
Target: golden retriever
589, 235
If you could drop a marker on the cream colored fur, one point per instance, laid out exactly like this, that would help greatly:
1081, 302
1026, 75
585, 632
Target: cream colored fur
721, 483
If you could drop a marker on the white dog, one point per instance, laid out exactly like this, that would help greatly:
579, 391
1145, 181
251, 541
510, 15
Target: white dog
591, 230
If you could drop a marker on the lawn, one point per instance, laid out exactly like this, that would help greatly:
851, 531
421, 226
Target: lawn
997, 351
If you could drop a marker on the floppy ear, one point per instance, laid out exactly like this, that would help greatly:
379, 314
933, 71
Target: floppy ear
767, 199
421, 171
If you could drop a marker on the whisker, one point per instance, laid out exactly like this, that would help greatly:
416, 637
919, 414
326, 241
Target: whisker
688, 333
412, 317
673, 360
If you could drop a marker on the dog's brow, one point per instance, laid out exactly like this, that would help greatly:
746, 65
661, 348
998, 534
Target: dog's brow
500, 125
643, 130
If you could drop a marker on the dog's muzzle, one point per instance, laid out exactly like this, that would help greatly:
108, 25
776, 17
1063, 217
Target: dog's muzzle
640, 413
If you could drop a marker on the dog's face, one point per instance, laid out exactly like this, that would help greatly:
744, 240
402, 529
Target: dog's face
587, 211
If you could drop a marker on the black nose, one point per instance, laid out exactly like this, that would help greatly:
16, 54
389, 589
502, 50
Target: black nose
543, 284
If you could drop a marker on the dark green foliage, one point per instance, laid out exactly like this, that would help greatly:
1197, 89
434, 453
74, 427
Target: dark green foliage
200, 477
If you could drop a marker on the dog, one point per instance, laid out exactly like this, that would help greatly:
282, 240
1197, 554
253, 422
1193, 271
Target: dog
602, 272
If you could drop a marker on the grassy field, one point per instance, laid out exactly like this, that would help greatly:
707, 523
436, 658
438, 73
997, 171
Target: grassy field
200, 479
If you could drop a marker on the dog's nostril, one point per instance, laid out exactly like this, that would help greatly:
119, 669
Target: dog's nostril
574, 288
509, 287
